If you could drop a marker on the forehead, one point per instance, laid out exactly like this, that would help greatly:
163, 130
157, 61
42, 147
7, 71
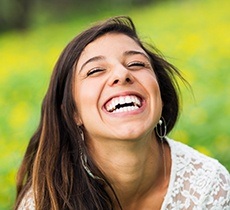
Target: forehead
108, 44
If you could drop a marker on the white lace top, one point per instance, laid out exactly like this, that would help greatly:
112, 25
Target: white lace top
197, 182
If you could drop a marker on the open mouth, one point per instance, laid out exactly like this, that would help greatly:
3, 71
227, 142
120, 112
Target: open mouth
123, 104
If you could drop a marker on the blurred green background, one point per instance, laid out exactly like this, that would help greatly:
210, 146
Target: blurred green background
193, 35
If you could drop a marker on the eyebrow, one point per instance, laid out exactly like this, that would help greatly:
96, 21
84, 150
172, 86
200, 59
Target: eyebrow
96, 58
134, 52
100, 57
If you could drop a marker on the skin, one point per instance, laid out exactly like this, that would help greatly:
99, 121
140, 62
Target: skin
123, 145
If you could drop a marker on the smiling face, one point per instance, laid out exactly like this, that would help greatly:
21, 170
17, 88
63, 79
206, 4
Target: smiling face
115, 90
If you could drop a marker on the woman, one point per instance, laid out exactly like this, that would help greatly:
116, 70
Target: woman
101, 142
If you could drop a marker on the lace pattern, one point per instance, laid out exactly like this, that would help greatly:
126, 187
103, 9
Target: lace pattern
197, 182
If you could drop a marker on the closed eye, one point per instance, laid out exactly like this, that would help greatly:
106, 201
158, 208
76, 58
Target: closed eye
94, 71
137, 64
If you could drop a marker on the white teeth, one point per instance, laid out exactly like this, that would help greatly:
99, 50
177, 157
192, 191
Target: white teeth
110, 106
114, 102
132, 101
137, 101
122, 100
128, 99
125, 109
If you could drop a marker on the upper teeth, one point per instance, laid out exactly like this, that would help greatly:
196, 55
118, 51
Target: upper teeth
123, 103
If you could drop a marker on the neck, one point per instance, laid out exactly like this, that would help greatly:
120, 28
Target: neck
134, 168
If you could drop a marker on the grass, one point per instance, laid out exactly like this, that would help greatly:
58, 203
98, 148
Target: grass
193, 35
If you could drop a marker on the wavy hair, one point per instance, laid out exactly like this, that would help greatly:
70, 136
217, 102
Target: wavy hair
52, 165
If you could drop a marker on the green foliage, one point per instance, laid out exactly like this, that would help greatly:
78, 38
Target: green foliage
193, 35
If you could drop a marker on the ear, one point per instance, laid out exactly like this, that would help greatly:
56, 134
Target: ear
78, 119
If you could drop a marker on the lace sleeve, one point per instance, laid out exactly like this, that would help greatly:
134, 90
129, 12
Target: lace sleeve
27, 202
197, 182
219, 197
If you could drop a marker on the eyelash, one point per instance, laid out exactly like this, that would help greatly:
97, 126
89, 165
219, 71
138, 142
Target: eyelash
93, 71
137, 63
130, 65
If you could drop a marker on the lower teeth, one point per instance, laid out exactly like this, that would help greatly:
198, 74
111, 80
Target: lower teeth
125, 109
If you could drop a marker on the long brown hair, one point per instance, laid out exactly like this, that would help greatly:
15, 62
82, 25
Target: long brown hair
52, 164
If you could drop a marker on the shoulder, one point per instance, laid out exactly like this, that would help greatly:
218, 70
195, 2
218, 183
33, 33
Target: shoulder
203, 176
186, 156
27, 202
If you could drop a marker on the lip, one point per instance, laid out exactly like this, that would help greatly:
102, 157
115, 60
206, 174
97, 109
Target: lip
126, 93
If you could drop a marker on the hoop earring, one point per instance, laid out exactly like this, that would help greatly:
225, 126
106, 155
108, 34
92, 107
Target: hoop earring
161, 128
84, 158
161, 131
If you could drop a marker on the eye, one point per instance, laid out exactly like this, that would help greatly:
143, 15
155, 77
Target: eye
94, 71
137, 64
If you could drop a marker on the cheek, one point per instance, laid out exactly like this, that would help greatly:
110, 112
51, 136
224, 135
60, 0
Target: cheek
154, 90
86, 98
150, 82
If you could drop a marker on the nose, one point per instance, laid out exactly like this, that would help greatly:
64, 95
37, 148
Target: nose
121, 76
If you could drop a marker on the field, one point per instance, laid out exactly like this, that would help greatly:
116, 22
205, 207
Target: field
193, 35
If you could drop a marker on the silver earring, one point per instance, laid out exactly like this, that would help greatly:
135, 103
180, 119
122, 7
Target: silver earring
161, 131
161, 128
84, 159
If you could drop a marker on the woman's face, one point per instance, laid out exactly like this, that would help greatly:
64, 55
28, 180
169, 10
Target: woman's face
115, 90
